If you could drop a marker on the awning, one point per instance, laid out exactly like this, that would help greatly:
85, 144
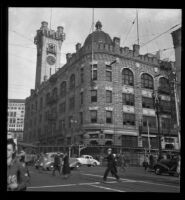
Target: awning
26, 144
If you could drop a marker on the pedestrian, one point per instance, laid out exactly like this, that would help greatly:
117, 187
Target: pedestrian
151, 158
111, 166
56, 164
146, 162
66, 167
17, 176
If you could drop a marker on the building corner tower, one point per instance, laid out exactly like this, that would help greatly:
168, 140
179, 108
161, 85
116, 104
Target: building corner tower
49, 44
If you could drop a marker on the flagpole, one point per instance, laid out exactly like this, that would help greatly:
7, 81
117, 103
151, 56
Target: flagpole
92, 40
148, 137
137, 27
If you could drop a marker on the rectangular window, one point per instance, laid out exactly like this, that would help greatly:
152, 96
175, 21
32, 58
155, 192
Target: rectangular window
81, 98
108, 136
108, 96
128, 119
147, 103
108, 116
93, 96
82, 75
72, 103
128, 99
94, 76
151, 121
108, 73
129, 141
93, 116
165, 106
62, 107
81, 118
166, 123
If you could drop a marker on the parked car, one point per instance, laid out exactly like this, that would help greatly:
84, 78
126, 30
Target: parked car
48, 160
88, 160
168, 166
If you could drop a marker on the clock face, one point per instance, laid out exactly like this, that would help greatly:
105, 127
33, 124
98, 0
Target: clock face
51, 60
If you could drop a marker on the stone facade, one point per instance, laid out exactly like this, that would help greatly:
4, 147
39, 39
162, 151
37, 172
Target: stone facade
48, 130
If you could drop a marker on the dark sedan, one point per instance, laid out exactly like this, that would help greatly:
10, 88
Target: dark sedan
167, 166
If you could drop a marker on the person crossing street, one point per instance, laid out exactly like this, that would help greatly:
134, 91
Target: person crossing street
111, 166
57, 164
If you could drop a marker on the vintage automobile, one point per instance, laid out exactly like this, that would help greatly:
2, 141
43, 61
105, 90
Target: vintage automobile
168, 166
88, 160
49, 161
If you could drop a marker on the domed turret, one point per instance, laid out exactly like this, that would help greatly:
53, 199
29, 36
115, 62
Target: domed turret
99, 36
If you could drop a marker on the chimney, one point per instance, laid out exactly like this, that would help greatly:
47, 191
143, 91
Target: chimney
158, 55
32, 91
44, 25
136, 48
116, 41
68, 56
78, 46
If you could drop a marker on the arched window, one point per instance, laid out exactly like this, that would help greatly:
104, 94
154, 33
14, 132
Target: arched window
54, 92
164, 86
72, 82
127, 77
147, 81
63, 89
47, 97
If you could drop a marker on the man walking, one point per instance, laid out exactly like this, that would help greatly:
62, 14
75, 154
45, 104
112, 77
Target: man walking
111, 166
56, 165
17, 175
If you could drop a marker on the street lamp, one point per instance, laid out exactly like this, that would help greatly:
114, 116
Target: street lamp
172, 79
73, 121
113, 62
156, 100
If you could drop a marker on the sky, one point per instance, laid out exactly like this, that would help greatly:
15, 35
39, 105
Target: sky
117, 22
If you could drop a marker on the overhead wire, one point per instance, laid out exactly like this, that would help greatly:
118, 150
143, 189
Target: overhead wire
159, 35
129, 30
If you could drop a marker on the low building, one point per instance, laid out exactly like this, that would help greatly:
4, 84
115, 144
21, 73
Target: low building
16, 111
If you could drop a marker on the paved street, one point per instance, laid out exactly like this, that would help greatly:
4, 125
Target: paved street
89, 179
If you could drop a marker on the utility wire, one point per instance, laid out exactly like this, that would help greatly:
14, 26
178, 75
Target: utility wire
21, 35
159, 35
129, 30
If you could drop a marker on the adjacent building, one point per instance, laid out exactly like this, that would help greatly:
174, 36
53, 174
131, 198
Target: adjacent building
16, 111
176, 36
93, 100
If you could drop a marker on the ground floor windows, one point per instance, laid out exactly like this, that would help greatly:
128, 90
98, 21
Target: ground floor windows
129, 141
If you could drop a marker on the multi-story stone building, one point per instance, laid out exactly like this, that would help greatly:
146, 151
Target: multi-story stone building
93, 100
176, 36
16, 111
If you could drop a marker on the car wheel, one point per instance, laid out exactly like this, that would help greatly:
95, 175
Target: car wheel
157, 170
94, 164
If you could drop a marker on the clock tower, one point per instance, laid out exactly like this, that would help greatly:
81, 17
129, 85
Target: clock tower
49, 44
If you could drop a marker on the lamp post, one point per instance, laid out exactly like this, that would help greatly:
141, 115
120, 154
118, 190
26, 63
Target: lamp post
73, 122
113, 62
172, 79
156, 100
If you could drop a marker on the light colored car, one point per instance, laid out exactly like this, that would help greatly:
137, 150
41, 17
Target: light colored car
88, 160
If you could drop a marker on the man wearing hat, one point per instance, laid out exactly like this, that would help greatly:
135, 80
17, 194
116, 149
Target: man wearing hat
111, 166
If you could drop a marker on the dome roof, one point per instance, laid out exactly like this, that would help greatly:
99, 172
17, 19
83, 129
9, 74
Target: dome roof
99, 36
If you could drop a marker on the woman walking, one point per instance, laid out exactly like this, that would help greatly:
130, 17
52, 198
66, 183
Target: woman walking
66, 168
